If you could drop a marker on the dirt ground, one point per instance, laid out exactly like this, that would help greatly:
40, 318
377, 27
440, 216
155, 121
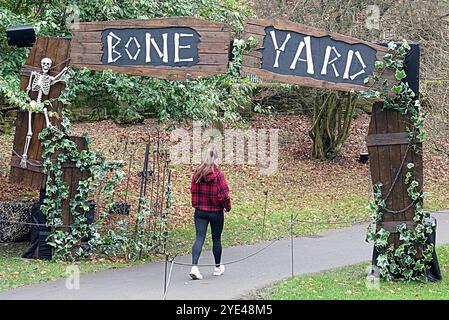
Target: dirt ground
297, 177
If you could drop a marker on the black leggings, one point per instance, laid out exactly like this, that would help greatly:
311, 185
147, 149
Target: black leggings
202, 219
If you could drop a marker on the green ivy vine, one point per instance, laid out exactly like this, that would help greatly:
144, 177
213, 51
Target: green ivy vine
103, 177
408, 260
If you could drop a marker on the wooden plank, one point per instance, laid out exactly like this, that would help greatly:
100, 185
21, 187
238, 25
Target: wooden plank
34, 166
391, 226
258, 24
153, 23
93, 38
252, 61
203, 47
212, 56
16, 174
95, 59
418, 172
161, 72
56, 49
257, 30
384, 157
395, 169
387, 139
38, 124
258, 37
302, 81
373, 151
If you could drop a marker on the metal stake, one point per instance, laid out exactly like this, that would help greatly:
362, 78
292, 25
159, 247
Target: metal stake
264, 214
165, 275
291, 245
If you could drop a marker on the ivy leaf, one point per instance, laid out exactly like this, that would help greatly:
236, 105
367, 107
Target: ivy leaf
392, 46
396, 89
379, 65
400, 74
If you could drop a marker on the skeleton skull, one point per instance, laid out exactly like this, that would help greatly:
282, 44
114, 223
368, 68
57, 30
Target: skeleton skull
46, 65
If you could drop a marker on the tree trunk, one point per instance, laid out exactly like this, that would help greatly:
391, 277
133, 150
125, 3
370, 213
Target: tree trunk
331, 121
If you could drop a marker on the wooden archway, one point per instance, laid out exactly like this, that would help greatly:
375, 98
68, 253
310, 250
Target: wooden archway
285, 52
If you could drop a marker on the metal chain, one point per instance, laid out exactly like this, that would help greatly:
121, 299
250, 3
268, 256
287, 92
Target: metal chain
231, 262
39, 224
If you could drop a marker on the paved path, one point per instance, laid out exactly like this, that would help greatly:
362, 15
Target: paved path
330, 249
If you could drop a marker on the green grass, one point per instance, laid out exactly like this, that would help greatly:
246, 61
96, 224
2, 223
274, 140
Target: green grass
244, 224
348, 283
16, 272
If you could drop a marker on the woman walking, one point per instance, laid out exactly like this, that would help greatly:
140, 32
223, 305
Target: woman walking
210, 197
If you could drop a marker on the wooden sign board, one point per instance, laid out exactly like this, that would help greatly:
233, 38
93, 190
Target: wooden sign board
169, 48
294, 53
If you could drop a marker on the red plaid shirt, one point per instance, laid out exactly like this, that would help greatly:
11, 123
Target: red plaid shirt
212, 194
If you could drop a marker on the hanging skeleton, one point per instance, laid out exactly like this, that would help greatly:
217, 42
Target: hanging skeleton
41, 83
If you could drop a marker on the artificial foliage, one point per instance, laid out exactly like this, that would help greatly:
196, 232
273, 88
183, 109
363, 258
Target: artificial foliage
408, 260
102, 178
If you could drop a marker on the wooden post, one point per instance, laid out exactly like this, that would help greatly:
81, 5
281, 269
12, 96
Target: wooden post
388, 149
58, 50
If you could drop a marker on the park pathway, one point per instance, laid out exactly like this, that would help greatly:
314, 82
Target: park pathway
328, 250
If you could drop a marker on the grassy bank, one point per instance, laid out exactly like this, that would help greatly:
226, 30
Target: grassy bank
348, 283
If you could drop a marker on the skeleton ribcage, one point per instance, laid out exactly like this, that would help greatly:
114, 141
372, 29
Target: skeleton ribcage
42, 82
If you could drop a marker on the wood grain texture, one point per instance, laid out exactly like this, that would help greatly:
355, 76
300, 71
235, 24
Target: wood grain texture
213, 48
388, 147
387, 139
57, 49
252, 61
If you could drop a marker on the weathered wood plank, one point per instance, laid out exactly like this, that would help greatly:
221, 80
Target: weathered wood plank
56, 49
153, 23
395, 168
96, 47
303, 81
387, 139
211, 48
261, 24
391, 226
95, 59
162, 72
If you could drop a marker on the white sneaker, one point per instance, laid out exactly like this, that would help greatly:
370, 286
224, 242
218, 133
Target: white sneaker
218, 271
195, 273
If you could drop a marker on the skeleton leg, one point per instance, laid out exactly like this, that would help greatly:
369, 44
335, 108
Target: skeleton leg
23, 162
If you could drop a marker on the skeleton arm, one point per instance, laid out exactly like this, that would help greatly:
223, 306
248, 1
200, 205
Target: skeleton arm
33, 74
56, 79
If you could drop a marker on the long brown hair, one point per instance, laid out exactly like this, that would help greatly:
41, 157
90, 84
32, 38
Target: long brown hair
209, 163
